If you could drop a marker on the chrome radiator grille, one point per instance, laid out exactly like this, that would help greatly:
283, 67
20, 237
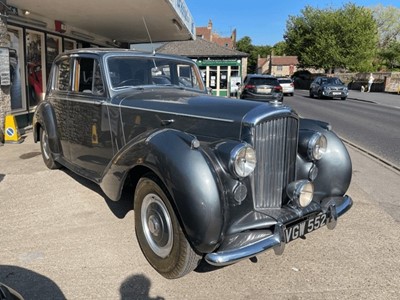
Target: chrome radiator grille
276, 147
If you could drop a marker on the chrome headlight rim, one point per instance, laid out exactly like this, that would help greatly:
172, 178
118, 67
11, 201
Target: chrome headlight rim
242, 160
301, 192
317, 146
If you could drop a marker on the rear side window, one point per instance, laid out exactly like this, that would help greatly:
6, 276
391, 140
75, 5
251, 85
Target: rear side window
263, 81
63, 71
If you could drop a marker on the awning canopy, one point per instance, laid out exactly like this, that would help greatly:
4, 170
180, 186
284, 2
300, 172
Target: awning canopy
121, 20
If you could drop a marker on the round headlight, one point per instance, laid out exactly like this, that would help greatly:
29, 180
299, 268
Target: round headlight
243, 160
317, 146
301, 192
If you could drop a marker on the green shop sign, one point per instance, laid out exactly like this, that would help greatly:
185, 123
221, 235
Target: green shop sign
218, 62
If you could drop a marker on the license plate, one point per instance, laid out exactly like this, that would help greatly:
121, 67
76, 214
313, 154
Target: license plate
301, 229
336, 93
264, 90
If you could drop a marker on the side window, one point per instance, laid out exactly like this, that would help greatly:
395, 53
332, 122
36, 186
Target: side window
98, 83
63, 69
87, 77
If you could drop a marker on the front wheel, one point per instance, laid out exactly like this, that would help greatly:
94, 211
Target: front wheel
311, 94
46, 152
159, 233
343, 98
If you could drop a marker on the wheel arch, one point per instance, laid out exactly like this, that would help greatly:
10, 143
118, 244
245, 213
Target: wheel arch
187, 175
44, 117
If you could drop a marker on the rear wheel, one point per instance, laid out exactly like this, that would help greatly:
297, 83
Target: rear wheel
46, 152
343, 98
159, 233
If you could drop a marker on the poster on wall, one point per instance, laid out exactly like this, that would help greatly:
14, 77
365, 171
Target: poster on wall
34, 45
14, 44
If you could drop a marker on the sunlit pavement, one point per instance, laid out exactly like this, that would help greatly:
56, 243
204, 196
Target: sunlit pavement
61, 238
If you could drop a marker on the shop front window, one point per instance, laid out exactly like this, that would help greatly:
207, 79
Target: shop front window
53, 48
223, 80
17, 91
35, 71
69, 44
213, 78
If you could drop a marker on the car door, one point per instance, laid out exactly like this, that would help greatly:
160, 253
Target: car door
58, 98
90, 139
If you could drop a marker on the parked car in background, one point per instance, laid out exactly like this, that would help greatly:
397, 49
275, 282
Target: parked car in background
211, 178
261, 88
287, 85
328, 87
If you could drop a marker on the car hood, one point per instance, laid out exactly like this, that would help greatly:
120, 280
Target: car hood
198, 113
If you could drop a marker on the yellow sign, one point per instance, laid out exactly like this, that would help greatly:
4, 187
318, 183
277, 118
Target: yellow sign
11, 132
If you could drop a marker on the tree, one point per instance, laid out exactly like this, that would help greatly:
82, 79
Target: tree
245, 45
390, 55
280, 48
329, 39
387, 19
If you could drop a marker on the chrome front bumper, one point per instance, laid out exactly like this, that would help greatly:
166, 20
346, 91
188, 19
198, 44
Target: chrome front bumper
334, 207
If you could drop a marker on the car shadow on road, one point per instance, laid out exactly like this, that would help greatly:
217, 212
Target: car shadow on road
29, 284
119, 208
137, 287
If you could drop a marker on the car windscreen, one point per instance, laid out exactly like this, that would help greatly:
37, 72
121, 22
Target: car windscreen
263, 81
132, 71
332, 80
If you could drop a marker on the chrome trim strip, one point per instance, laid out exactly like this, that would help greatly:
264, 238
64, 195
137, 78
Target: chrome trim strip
175, 113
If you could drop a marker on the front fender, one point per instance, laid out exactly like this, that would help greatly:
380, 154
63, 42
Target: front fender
187, 174
334, 168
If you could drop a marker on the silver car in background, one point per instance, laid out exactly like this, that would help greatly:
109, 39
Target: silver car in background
328, 87
287, 85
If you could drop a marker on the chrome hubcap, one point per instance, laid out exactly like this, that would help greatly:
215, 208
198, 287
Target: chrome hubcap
45, 144
156, 224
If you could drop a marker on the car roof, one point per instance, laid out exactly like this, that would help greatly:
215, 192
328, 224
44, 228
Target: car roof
260, 76
120, 51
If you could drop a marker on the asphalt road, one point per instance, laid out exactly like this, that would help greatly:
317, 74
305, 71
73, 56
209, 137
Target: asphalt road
372, 126
60, 238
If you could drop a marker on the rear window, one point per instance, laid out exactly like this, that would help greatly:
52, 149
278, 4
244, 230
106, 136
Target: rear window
263, 81
285, 81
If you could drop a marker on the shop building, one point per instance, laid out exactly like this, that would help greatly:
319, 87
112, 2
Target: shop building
33, 33
222, 68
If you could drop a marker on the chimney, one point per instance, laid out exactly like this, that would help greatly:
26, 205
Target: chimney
209, 26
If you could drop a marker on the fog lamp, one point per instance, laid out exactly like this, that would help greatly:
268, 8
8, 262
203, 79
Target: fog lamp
301, 192
240, 193
317, 146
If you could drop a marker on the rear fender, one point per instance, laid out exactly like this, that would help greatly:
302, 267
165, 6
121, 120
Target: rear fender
45, 117
188, 176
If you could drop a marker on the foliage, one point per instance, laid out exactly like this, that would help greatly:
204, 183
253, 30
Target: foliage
245, 45
387, 19
329, 39
390, 55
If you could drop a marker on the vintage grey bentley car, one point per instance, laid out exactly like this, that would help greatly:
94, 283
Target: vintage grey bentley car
211, 178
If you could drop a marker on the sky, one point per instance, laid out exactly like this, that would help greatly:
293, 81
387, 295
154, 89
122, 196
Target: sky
264, 21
